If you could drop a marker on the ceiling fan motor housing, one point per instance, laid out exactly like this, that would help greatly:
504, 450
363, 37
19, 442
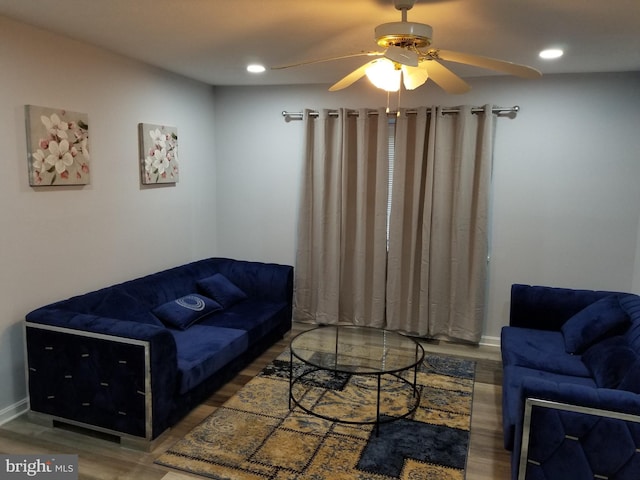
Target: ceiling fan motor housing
404, 34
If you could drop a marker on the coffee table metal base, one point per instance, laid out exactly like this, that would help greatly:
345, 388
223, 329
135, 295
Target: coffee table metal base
357, 352
379, 419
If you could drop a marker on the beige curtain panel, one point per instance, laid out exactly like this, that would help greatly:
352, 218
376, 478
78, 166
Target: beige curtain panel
341, 247
438, 241
422, 268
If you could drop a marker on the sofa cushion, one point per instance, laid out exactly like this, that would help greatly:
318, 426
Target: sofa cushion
593, 323
221, 289
540, 349
183, 312
203, 350
256, 317
609, 361
111, 302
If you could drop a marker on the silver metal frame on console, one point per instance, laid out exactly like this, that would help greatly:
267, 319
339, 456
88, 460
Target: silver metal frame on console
147, 381
536, 402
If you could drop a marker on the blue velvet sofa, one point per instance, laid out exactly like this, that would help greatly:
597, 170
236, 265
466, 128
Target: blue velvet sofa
132, 359
571, 384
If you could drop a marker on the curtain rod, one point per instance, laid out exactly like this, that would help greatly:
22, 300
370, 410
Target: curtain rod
333, 113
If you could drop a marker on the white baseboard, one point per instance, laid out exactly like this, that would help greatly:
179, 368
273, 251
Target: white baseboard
490, 341
12, 411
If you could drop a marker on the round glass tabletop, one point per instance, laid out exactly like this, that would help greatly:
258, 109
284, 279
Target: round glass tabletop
355, 349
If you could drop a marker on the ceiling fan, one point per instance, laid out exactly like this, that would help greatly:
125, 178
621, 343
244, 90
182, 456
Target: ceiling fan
407, 58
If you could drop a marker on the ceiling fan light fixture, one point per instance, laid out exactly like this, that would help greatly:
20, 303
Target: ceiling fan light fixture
384, 74
414, 77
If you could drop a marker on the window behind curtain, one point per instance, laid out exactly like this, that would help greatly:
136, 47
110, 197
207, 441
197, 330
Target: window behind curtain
392, 150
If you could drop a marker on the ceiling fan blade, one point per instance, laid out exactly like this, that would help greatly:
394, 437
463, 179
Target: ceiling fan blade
413, 77
445, 78
400, 55
490, 63
329, 59
354, 76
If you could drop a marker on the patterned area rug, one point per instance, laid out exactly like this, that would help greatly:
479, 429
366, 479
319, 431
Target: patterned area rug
254, 435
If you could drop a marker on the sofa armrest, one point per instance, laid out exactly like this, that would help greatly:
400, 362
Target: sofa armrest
116, 375
548, 308
573, 432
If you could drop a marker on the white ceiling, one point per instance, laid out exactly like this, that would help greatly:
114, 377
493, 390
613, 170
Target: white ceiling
213, 40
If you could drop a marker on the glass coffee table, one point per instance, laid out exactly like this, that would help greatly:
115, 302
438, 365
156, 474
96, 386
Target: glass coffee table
354, 375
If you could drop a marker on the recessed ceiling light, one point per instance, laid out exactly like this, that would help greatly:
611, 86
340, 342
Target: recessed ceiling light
551, 53
254, 68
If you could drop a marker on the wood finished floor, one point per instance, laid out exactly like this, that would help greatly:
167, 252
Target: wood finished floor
101, 458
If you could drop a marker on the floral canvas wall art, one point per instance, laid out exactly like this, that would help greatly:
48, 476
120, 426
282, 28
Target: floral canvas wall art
57, 146
158, 153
